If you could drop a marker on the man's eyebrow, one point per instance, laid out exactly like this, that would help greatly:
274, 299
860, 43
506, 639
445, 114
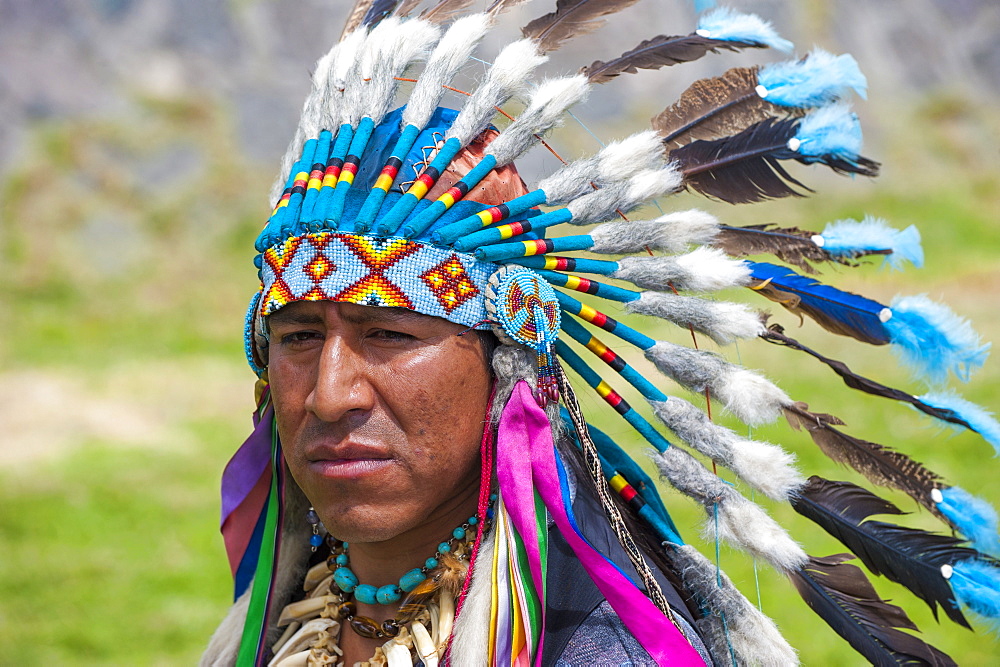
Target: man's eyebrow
382, 314
293, 317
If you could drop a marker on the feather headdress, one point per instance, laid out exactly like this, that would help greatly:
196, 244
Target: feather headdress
421, 208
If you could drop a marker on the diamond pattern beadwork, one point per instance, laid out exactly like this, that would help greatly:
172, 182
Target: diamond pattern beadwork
450, 283
375, 271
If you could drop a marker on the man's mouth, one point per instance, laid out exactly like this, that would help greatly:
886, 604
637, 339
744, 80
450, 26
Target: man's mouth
348, 461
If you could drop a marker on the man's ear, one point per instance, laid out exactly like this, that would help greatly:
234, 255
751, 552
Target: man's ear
261, 340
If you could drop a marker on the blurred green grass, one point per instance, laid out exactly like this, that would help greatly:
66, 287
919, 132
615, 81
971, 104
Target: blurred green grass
134, 294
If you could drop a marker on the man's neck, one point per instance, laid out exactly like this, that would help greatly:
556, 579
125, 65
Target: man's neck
383, 563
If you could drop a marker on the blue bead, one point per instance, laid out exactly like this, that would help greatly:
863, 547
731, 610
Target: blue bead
365, 593
316, 540
431, 563
342, 559
493, 497
412, 579
489, 513
473, 521
345, 579
388, 594
311, 517
444, 548
458, 533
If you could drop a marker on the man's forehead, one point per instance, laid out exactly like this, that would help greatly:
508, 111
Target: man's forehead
312, 312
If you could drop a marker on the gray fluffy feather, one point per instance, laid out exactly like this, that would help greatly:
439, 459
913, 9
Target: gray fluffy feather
598, 205
548, 103
623, 196
504, 79
722, 321
618, 161
752, 398
391, 46
511, 364
766, 467
570, 182
754, 637
671, 233
451, 53
732, 517
703, 270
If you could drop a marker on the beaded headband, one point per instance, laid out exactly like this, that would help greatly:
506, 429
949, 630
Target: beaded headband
390, 209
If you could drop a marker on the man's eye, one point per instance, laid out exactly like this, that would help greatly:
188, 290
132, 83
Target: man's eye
299, 337
388, 335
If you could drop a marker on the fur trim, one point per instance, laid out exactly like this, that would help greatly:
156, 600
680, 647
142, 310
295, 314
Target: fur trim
766, 467
702, 270
722, 321
754, 637
471, 637
735, 519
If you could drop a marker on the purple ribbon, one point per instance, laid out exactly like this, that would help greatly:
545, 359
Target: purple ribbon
247, 465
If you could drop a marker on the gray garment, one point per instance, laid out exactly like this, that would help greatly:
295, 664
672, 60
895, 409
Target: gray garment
602, 639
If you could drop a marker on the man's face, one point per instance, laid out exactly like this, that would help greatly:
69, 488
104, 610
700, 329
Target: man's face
380, 413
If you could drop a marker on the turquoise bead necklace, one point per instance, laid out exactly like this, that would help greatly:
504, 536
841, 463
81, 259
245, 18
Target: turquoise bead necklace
347, 581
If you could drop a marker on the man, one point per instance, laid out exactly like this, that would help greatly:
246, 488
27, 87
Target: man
422, 485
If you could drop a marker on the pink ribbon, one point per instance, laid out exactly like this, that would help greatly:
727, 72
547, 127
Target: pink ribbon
524, 425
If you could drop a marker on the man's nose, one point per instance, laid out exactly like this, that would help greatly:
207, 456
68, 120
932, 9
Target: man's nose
343, 384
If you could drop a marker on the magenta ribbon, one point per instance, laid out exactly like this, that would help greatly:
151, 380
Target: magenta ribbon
518, 498
524, 425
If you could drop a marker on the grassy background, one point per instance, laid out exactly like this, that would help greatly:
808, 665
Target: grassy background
123, 390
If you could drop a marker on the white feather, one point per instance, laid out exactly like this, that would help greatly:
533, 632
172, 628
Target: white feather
747, 526
507, 76
702, 270
570, 182
737, 520
622, 159
312, 111
314, 114
710, 269
767, 467
448, 57
470, 640
548, 103
749, 633
671, 233
390, 47
652, 183
340, 71
754, 400
735, 321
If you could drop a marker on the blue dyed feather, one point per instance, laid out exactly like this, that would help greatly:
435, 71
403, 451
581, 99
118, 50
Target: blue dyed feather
725, 24
850, 238
831, 130
836, 310
819, 78
979, 418
976, 584
973, 517
933, 340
